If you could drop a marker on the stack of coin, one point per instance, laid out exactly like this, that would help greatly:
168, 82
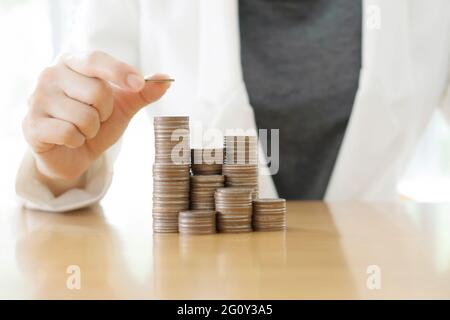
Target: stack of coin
203, 188
170, 172
207, 161
234, 209
269, 214
240, 166
172, 140
170, 195
242, 176
241, 149
197, 222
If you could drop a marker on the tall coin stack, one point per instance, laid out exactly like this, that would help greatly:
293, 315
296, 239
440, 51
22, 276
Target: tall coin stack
170, 172
207, 178
240, 166
269, 214
172, 140
234, 210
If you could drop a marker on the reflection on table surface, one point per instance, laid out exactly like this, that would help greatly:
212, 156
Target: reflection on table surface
325, 253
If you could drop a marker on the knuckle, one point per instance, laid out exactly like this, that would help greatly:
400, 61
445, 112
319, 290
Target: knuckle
96, 92
108, 91
48, 75
69, 134
108, 107
38, 102
62, 57
93, 57
34, 99
89, 122
119, 67
29, 125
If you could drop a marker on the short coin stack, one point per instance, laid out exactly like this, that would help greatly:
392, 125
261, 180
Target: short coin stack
269, 214
197, 222
206, 161
240, 166
234, 210
203, 188
170, 172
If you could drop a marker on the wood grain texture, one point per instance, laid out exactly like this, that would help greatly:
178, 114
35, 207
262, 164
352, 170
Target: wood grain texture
324, 253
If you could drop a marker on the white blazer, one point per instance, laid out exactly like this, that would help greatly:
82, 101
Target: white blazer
403, 80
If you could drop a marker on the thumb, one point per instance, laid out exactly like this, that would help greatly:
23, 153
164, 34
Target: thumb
126, 104
131, 102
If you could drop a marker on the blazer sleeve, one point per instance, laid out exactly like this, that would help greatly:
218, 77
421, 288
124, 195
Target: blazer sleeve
35, 195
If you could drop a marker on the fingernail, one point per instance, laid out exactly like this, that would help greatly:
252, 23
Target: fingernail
135, 82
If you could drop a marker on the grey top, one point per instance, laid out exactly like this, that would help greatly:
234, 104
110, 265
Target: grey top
301, 61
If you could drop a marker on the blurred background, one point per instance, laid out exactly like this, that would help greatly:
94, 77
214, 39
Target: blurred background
32, 32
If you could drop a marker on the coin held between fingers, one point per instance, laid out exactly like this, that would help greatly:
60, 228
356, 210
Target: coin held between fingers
159, 80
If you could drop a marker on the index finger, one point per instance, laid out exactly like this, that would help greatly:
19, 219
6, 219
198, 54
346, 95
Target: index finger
98, 64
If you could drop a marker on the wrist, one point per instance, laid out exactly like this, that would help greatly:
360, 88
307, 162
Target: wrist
58, 185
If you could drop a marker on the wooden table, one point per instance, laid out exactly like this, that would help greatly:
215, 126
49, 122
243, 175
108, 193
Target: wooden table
326, 252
